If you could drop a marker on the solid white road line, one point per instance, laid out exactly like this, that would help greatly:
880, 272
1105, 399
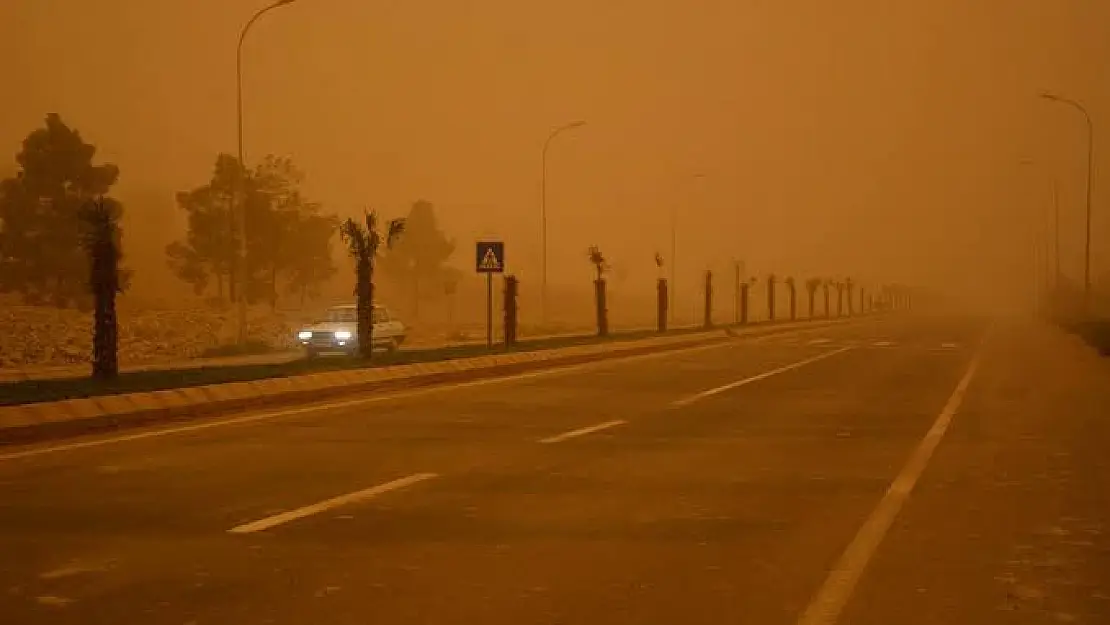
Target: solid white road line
827, 604
582, 432
335, 502
686, 401
820, 341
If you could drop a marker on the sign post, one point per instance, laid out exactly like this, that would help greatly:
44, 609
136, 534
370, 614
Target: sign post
489, 259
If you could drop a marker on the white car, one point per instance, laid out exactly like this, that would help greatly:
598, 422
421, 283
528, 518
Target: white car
338, 332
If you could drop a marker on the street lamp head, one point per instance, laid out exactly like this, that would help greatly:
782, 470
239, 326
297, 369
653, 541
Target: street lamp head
1047, 95
577, 124
283, 2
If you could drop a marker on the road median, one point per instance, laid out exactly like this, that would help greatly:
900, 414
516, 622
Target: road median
55, 410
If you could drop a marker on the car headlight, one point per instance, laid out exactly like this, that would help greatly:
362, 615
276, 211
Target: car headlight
304, 335
342, 335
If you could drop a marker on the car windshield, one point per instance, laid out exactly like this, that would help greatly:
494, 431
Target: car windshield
349, 313
341, 314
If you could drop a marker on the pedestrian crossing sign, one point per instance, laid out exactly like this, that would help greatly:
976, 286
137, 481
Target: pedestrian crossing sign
490, 257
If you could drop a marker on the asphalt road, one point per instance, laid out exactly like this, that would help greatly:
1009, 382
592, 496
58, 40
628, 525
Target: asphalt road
902, 471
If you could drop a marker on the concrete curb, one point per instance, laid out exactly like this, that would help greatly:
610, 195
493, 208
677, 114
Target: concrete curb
48, 420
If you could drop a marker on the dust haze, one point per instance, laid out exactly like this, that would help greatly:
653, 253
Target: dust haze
811, 138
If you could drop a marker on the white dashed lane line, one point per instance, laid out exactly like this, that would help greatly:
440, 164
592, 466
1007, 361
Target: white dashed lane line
329, 504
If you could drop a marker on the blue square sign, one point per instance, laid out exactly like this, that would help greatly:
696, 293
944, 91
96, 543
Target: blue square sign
490, 257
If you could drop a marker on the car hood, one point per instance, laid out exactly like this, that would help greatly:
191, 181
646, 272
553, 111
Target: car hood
331, 326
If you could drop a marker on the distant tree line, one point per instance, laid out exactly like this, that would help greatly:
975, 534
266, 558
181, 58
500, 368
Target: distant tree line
44, 246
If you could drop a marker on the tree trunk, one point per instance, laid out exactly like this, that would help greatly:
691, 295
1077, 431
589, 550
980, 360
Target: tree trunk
104, 284
793, 303
661, 305
812, 296
602, 310
364, 306
105, 337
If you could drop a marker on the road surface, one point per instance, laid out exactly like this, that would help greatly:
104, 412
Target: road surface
910, 472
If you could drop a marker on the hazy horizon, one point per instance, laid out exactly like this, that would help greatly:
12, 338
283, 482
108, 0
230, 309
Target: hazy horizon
834, 138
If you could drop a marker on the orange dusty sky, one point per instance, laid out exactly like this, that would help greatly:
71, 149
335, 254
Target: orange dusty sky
856, 137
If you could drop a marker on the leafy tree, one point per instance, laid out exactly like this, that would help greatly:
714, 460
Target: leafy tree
314, 265
418, 261
451, 279
363, 243
101, 240
288, 240
208, 251
41, 257
287, 235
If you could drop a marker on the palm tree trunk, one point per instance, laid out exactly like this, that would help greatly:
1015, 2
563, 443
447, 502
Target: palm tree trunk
602, 309
364, 307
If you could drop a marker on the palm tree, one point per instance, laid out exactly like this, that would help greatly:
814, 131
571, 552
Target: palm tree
101, 240
825, 284
811, 290
839, 299
771, 279
850, 288
600, 267
363, 242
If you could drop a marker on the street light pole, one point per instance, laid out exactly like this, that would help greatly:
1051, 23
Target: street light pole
240, 208
543, 210
1090, 175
